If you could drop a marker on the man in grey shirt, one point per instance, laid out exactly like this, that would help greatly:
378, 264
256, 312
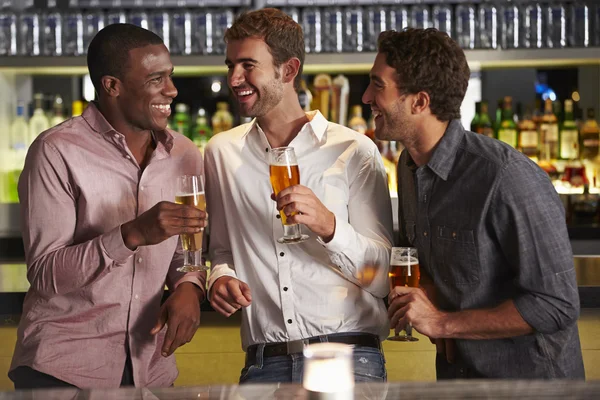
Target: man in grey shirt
500, 296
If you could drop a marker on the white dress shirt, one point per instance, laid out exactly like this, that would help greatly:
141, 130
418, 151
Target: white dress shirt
312, 288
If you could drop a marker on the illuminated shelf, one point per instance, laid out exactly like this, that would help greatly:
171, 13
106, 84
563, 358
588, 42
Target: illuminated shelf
348, 63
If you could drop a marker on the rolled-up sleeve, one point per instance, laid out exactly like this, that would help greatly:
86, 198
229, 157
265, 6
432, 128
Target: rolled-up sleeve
529, 220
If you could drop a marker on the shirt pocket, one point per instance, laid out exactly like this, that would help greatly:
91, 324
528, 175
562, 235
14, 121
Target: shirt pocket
457, 258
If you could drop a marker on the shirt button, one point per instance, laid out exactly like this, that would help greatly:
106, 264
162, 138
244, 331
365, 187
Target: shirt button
141, 188
282, 254
136, 297
285, 289
289, 321
140, 259
127, 156
425, 233
278, 216
116, 136
453, 235
267, 149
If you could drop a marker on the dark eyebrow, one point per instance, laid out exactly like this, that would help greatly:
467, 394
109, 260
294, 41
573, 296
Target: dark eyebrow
160, 73
241, 60
376, 79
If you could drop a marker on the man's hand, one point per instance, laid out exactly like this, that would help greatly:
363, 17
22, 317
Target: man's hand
162, 221
229, 295
411, 305
181, 314
301, 206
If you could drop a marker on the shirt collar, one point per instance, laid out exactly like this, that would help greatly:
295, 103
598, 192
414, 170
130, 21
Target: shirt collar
99, 124
316, 121
443, 157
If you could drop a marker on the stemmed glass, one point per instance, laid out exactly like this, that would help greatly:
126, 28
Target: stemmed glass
284, 172
190, 191
404, 271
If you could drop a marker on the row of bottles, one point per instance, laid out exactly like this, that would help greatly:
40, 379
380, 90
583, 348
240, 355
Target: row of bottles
559, 146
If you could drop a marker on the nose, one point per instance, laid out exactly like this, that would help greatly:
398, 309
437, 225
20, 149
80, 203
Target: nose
170, 90
236, 76
367, 97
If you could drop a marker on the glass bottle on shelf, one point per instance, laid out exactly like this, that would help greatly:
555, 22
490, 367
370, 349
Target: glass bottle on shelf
77, 108
556, 25
590, 136
93, 21
333, 30
312, 27
510, 26
442, 18
202, 130
376, 23
15, 156
304, 96
476, 117
481, 123
420, 16
357, 122
8, 29
596, 24
73, 30
354, 37
181, 32
293, 12
465, 23
549, 134
488, 26
398, 17
529, 139
569, 134
116, 15
182, 119
58, 108
51, 31
159, 22
38, 122
201, 31
222, 120
532, 26
29, 31
138, 16
507, 132
579, 28
222, 19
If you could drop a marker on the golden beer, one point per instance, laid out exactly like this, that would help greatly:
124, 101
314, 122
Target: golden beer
405, 275
283, 176
192, 241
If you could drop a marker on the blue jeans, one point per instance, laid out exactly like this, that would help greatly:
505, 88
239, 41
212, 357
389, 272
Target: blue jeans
369, 366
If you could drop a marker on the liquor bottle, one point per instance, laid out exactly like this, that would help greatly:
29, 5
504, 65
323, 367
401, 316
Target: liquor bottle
508, 129
569, 135
488, 26
304, 96
353, 40
181, 33
18, 144
8, 29
138, 17
476, 118
357, 122
51, 31
222, 19
420, 17
580, 27
529, 139
312, 27
76, 108
339, 99
73, 31
333, 30
398, 17
465, 22
485, 123
182, 119
38, 122
510, 26
115, 14
323, 86
222, 120
93, 21
442, 18
376, 23
29, 31
549, 134
533, 26
556, 19
201, 31
590, 136
498, 120
159, 22
202, 131
58, 107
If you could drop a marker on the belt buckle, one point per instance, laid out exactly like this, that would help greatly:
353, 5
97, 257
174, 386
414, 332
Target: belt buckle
296, 346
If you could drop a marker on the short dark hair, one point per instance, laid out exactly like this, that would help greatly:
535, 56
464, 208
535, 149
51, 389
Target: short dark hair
108, 52
430, 61
281, 33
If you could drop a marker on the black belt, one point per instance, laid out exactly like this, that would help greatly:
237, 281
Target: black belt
296, 346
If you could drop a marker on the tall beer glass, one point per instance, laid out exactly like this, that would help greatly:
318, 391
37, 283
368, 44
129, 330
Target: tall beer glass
404, 271
190, 191
284, 172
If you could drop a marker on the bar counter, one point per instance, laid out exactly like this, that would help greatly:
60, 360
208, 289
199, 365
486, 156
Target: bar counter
479, 389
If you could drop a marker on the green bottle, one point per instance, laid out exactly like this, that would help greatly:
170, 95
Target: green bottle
475, 120
202, 130
569, 134
508, 129
485, 124
182, 119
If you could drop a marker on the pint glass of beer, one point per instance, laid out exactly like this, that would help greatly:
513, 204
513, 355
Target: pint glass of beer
404, 271
284, 172
190, 191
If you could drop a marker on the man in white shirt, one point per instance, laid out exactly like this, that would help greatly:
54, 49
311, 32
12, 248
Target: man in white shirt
329, 288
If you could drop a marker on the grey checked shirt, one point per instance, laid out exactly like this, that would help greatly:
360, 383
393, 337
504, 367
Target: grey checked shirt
491, 227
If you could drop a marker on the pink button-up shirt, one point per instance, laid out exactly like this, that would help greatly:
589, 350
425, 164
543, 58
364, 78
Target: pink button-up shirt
89, 293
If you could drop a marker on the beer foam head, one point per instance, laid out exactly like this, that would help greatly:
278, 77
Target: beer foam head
283, 164
181, 194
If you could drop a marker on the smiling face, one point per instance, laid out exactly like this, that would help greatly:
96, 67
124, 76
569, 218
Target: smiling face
253, 79
389, 106
147, 89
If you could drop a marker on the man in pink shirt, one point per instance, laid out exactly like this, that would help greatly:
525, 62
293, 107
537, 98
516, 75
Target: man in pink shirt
101, 230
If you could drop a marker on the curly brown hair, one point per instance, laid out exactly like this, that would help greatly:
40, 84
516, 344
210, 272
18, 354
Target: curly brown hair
281, 33
427, 60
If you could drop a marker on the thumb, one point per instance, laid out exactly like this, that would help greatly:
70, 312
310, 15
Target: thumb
246, 292
162, 320
273, 197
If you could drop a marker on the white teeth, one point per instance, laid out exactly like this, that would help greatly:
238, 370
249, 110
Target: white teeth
375, 113
245, 93
161, 107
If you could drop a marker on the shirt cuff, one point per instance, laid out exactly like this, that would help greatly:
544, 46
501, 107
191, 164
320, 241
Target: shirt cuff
341, 237
197, 278
216, 272
114, 246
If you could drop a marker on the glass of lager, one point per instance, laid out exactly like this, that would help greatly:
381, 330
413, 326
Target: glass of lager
190, 191
284, 172
404, 271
